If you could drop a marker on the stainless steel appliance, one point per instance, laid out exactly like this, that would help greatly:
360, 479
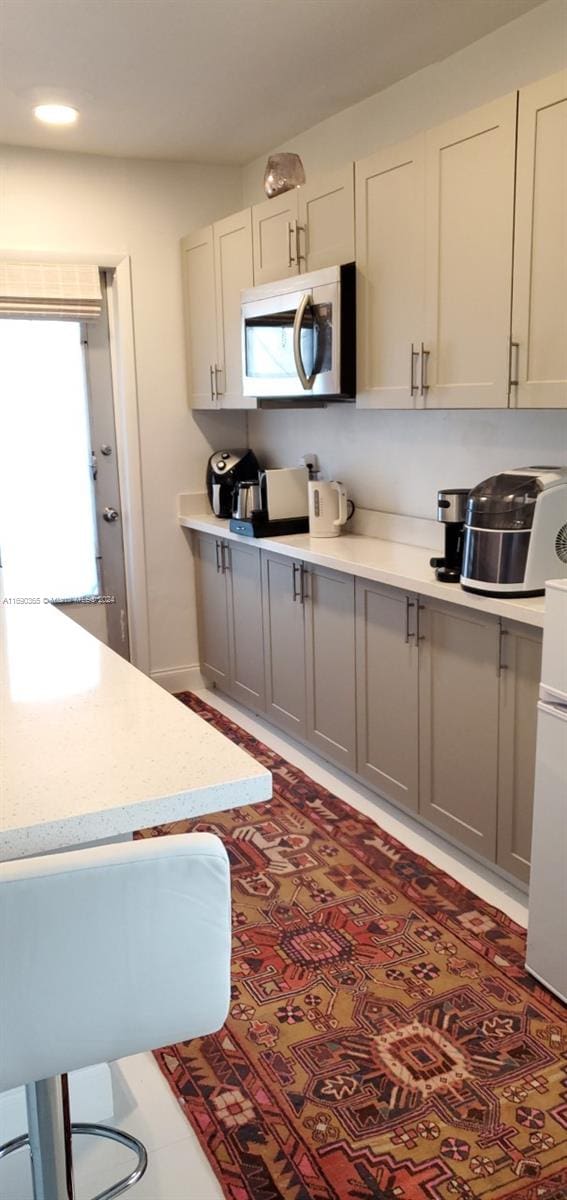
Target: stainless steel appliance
246, 499
516, 532
225, 469
299, 337
451, 507
282, 508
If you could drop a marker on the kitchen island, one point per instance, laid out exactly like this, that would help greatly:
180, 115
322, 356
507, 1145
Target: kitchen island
91, 749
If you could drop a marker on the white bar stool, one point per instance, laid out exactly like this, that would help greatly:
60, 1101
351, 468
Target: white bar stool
105, 952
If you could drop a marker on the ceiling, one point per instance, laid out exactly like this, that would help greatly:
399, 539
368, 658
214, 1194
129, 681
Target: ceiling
215, 80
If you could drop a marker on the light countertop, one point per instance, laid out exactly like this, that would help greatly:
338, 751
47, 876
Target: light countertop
90, 748
393, 563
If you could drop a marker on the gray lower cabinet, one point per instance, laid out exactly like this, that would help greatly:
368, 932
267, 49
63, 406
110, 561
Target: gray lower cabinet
387, 691
212, 609
284, 642
330, 664
245, 623
459, 677
519, 690
229, 612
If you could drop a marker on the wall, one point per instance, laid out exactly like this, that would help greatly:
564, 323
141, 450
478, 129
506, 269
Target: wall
67, 202
396, 461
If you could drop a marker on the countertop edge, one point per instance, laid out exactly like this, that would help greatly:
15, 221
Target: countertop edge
512, 610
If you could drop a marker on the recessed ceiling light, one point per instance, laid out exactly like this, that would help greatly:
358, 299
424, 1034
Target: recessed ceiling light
56, 114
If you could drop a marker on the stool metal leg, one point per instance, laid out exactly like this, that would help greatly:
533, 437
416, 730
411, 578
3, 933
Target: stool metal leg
50, 1139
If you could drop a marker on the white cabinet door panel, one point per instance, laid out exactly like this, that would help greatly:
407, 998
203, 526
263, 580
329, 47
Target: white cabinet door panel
274, 233
326, 220
198, 271
233, 272
469, 176
390, 261
284, 644
246, 643
330, 655
539, 315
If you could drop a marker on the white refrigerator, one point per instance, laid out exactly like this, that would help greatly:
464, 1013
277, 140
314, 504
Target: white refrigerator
547, 920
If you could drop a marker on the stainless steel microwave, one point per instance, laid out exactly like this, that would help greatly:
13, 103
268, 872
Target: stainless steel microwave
299, 337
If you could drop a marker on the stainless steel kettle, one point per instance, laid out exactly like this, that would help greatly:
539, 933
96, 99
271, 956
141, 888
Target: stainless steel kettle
246, 499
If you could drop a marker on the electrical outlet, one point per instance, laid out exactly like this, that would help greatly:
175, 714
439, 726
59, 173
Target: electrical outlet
311, 461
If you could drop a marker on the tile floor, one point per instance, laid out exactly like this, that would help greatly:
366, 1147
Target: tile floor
143, 1103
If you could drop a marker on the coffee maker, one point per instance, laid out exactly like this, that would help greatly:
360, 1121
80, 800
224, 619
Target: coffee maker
451, 511
225, 469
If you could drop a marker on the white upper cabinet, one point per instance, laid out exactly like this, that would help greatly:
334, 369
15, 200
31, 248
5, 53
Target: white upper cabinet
326, 220
390, 262
233, 272
197, 258
539, 312
306, 229
216, 264
469, 210
274, 225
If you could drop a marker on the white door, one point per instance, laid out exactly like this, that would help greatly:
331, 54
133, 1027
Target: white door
326, 220
389, 257
200, 317
539, 314
233, 272
274, 226
61, 534
469, 176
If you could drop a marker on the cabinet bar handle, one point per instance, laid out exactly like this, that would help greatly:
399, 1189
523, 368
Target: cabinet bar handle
514, 346
218, 390
409, 604
502, 633
290, 231
302, 583
419, 636
217, 552
424, 358
300, 229
412, 386
225, 548
212, 379
295, 569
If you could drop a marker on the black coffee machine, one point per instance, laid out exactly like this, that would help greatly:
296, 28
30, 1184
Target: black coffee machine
225, 469
451, 511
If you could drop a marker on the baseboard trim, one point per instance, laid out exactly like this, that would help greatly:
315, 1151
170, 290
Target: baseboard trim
181, 679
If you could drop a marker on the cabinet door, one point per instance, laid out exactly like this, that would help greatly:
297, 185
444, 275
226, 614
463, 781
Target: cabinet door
284, 642
539, 320
246, 643
198, 269
387, 691
274, 234
330, 659
326, 220
390, 261
233, 272
458, 722
469, 172
519, 690
212, 609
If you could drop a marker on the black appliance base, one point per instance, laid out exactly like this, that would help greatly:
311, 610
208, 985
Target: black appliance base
260, 525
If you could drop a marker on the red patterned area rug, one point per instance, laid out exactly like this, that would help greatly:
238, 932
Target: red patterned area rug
384, 1040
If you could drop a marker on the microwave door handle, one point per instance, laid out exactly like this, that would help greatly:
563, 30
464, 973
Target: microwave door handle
305, 380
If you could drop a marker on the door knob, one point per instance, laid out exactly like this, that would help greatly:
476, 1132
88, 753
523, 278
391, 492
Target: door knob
110, 514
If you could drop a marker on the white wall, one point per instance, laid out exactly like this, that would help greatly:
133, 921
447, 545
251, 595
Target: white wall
396, 461
67, 202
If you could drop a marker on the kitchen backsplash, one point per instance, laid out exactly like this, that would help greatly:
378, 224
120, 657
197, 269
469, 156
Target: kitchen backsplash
395, 461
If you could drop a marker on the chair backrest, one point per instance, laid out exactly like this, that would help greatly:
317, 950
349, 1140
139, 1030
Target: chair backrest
108, 951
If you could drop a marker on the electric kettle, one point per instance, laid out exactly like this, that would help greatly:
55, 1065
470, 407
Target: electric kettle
328, 507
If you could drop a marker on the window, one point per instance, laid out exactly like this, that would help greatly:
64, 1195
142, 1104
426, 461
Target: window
47, 518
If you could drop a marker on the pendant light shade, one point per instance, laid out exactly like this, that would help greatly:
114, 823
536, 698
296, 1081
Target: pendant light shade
283, 172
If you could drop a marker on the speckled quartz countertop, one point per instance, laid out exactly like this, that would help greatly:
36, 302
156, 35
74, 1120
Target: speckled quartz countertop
90, 748
393, 563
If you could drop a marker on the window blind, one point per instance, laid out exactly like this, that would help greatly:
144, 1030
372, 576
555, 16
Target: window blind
46, 289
